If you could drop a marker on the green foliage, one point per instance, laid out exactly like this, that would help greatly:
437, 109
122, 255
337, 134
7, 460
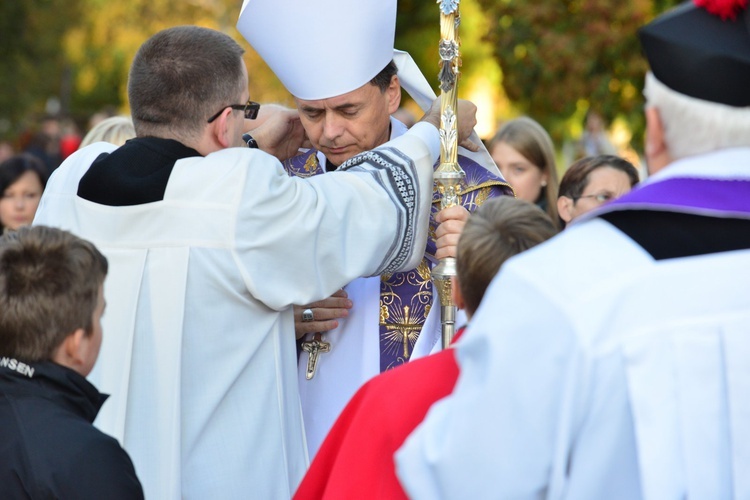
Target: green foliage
79, 51
555, 54
561, 58
33, 66
558, 56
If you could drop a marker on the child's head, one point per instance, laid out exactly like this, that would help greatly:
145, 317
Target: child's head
51, 297
499, 229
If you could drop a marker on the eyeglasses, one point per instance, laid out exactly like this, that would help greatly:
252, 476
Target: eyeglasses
600, 198
250, 108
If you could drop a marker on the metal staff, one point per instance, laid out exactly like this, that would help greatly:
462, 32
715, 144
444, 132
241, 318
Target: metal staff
449, 175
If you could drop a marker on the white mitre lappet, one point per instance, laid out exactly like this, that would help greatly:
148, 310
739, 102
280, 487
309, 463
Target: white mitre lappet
359, 39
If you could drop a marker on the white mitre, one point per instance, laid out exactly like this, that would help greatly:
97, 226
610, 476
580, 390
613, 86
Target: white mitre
321, 48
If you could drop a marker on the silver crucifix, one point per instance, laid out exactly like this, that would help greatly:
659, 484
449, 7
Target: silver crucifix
313, 348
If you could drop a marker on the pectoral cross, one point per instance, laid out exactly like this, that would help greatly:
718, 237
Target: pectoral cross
313, 348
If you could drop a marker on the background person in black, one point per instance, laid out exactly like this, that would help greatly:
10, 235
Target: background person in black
51, 303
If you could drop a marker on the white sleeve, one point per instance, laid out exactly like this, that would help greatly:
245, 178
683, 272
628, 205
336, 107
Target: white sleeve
495, 436
299, 240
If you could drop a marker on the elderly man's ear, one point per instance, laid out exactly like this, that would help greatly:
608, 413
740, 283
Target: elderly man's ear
657, 152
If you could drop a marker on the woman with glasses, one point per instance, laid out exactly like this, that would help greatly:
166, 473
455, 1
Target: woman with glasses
593, 181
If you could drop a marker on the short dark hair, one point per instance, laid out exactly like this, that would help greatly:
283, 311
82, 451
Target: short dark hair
383, 79
576, 178
180, 77
15, 166
499, 229
49, 287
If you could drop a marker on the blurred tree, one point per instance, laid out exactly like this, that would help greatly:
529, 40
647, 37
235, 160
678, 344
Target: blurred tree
104, 44
33, 66
79, 52
558, 58
563, 57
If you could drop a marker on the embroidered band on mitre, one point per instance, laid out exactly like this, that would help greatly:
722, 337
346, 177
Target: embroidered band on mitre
701, 49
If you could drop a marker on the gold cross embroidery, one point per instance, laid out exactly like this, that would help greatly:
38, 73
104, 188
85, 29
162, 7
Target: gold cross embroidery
405, 330
313, 348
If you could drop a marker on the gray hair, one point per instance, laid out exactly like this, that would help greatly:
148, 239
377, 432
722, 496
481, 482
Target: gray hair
694, 126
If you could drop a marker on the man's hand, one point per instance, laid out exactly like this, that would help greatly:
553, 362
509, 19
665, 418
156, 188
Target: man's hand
265, 112
325, 313
467, 120
279, 131
452, 221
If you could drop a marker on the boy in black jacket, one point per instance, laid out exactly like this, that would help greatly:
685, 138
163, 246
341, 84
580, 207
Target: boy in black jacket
51, 303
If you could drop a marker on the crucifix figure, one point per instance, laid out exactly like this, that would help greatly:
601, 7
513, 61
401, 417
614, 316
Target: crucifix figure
313, 348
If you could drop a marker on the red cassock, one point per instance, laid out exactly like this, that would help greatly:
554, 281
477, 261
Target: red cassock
356, 458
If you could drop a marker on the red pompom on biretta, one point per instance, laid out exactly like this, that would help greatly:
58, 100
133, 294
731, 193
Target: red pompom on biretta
725, 9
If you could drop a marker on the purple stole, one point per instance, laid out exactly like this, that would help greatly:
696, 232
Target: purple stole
700, 196
406, 297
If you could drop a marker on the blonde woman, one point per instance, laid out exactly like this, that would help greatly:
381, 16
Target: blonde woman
525, 155
115, 130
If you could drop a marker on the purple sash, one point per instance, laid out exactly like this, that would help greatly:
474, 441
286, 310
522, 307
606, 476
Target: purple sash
406, 297
710, 197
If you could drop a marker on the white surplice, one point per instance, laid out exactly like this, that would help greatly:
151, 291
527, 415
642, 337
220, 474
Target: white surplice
354, 357
199, 349
592, 370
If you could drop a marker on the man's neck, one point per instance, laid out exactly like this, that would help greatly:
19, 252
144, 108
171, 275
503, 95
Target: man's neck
202, 144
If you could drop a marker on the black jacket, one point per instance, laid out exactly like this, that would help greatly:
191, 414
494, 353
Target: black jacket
48, 446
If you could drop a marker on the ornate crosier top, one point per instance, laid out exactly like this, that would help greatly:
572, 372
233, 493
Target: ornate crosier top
448, 50
449, 174
448, 7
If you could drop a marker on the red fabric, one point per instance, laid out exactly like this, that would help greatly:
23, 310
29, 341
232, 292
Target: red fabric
356, 458
726, 9
69, 144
